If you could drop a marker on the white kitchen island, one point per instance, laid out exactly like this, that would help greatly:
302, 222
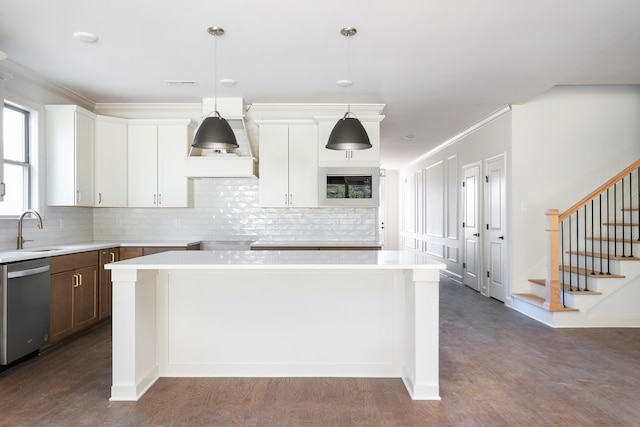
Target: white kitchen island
275, 314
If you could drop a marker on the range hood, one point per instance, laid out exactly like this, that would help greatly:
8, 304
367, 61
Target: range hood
204, 163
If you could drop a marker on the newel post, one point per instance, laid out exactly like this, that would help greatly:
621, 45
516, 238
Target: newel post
553, 289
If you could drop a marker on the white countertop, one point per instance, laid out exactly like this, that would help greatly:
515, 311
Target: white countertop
259, 260
314, 244
54, 250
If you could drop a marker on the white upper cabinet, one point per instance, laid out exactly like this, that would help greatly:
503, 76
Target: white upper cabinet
111, 162
288, 164
70, 156
368, 157
157, 151
3, 76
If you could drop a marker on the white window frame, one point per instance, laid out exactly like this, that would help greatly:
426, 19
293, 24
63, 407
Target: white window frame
31, 194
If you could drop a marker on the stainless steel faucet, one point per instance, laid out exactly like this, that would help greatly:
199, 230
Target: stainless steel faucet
34, 213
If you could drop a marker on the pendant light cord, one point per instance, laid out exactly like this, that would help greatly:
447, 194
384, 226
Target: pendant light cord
349, 74
215, 74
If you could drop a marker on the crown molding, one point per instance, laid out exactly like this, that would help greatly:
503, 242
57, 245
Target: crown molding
148, 110
21, 73
505, 109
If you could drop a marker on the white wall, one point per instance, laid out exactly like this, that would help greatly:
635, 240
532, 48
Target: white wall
60, 225
434, 183
560, 146
566, 143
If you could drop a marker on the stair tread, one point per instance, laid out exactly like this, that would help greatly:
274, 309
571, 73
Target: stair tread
604, 256
587, 273
620, 223
543, 282
539, 301
617, 240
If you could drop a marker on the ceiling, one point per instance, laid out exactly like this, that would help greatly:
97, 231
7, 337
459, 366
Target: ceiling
439, 66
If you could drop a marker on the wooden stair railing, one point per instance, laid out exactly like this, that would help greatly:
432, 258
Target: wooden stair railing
565, 237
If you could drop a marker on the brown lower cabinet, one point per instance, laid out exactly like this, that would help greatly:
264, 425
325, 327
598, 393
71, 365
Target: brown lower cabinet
81, 293
104, 287
128, 252
74, 289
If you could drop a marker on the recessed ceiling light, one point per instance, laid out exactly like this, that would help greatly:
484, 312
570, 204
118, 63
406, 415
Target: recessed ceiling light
86, 37
227, 82
344, 83
181, 82
409, 136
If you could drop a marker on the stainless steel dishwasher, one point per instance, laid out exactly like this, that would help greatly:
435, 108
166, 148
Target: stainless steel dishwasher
24, 308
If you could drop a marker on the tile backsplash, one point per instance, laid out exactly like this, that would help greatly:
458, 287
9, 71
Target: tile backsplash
224, 210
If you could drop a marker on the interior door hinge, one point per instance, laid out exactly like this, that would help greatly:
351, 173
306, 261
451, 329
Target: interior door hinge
488, 274
463, 183
487, 226
486, 178
464, 265
463, 225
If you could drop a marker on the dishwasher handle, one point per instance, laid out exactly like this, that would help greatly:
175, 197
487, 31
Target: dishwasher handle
29, 272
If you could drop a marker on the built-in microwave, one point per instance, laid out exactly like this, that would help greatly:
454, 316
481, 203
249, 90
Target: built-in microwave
349, 186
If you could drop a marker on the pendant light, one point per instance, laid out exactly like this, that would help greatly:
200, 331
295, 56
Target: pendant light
215, 132
348, 133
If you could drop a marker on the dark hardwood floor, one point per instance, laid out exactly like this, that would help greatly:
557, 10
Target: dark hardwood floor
497, 368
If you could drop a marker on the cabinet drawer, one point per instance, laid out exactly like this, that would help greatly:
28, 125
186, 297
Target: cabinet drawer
73, 261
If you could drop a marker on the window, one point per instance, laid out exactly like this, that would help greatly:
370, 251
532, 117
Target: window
17, 170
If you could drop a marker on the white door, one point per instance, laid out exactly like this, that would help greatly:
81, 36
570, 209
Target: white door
85, 133
111, 162
142, 166
495, 217
471, 218
274, 166
303, 166
173, 148
382, 212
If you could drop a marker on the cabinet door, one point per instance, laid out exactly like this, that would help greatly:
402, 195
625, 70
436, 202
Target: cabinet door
173, 148
84, 159
70, 148
303, 166
104, 286
85, 293
61, 306
111, 163
129, 252
274, 165
142, 166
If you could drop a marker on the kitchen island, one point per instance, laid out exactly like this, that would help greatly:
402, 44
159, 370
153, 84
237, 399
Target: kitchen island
276, 314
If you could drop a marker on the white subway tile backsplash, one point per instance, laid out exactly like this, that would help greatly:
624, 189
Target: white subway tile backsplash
224, 209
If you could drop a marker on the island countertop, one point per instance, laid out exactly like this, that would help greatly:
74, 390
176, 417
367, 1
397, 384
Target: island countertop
289, 259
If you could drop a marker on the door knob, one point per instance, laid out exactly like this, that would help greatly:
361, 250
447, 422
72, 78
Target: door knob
501, 237
476, 234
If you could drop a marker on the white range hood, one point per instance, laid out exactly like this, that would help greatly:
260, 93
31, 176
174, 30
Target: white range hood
203, 163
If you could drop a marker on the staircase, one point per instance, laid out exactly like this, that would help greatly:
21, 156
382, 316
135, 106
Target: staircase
593, 260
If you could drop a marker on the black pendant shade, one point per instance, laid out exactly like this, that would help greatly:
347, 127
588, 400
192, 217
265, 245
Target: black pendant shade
348, 134
215, 133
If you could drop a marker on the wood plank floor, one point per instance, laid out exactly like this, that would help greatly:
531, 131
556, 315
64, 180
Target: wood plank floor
497, 368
